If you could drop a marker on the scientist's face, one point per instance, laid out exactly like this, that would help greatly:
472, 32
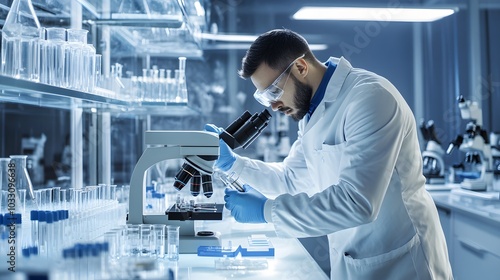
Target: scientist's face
296, 96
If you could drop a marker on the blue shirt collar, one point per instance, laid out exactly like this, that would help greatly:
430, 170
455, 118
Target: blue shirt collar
320, 92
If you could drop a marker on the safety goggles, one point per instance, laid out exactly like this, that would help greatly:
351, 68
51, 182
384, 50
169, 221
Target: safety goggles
273, 92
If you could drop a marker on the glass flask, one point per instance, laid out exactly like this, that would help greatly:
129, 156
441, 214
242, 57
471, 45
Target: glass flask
24, 188
20, 38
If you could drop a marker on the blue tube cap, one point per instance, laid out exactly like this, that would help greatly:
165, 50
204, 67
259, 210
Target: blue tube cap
34, 215
42, 216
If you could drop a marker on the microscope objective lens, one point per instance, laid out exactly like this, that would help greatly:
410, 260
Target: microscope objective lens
183, 176
196, 184
207, 185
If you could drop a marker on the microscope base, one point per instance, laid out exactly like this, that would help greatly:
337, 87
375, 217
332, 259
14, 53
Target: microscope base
474, 185
435, 181
188, 244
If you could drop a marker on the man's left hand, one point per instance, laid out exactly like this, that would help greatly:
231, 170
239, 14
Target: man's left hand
247, 206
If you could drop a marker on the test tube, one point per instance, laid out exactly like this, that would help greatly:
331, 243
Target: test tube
112, 192
173, 242
48, 198
63, 195
51, 238
34, 228
42, 233
98, 70
38, 198
21, 200
56, 197
56, 231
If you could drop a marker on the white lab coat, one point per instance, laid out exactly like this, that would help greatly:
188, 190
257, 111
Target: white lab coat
355, 174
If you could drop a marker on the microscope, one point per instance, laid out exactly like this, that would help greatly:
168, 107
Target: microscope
199, 149
433, 163
476, 146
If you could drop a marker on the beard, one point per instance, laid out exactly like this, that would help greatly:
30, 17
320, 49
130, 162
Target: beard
303, 96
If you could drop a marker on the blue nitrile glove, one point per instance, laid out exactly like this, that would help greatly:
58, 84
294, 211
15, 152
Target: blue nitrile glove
247, 206
226, 155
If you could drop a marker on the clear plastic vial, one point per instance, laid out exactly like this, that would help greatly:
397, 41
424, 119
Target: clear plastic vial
20, 38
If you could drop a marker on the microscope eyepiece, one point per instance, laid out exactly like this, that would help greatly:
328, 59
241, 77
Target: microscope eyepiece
245, 129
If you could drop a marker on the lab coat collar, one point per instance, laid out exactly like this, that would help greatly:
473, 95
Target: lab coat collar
332, 90
338, 78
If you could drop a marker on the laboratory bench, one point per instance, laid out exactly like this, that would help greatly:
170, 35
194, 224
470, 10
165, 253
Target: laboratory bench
291, 260
472, 229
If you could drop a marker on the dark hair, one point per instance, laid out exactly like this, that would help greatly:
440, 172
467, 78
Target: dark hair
277, 48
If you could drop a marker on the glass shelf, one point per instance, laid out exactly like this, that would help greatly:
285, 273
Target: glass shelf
32, 93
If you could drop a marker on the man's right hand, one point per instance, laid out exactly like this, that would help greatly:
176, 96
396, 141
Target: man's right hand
226, 155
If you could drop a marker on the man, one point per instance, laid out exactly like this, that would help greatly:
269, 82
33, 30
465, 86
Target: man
354, 173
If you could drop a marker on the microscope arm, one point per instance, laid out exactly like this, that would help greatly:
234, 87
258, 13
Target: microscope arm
184, 144
150, 157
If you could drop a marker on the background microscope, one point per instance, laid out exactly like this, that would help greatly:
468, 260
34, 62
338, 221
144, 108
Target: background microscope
433, 163
477, 166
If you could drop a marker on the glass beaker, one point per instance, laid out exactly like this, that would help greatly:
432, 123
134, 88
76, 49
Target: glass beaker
44, 65
20, 35
88, 74
23, 182
173, 242
74, 58
146, 235
54, 55
159, 241
133, 241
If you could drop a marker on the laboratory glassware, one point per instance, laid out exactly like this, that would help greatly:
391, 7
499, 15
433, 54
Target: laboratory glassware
146, 235
182, 95
53, 55
173, 242
4, 183
43, 54
133, 241
22, 180
98, 70
159, 241
74, 58
20, 38
89, 71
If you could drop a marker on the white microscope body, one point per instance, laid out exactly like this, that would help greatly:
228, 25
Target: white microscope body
475, 142
433, 163
194, 146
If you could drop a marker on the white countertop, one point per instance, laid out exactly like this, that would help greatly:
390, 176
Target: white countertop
291, 260
487, 209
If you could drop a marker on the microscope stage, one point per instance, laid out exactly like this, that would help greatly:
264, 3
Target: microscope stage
205, 211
